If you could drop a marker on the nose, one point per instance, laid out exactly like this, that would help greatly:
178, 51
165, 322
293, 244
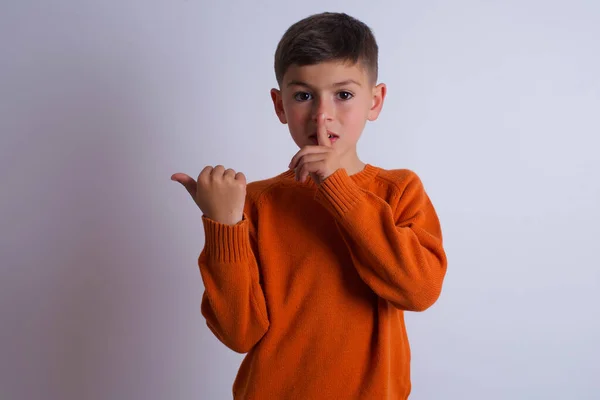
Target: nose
322, 106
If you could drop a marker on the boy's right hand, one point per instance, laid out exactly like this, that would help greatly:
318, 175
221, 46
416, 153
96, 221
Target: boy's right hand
219, 193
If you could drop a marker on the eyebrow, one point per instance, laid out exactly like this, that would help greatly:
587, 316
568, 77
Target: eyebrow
337, 84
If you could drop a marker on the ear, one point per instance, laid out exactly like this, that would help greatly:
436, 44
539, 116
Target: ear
278, 104
379, 93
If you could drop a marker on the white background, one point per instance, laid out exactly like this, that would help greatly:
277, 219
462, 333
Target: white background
496, 105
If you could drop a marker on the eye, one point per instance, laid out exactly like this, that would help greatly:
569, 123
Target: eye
345, 95
302, 96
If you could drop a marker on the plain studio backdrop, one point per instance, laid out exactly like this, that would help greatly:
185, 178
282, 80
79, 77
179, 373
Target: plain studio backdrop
496, 105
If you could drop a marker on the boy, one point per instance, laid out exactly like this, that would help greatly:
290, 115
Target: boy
310, 272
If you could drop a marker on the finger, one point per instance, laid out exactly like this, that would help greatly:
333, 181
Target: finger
311, 158
298, 155
304, 151
188, 183
204, 175
310, 164
322, 135
217, 171
310, 168
229, 173
240, 177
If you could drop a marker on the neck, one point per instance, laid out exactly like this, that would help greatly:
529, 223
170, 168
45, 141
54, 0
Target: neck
352, 163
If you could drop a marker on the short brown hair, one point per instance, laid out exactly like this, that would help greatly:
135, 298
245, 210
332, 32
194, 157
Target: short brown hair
327, 37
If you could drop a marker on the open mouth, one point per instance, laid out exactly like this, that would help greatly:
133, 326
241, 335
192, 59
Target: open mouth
331, 136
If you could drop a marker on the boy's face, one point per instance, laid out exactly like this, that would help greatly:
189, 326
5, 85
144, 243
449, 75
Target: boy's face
343, 92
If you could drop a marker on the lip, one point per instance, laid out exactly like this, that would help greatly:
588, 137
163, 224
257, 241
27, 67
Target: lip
313, 137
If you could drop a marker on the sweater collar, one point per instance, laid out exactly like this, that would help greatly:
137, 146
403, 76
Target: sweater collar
366, 175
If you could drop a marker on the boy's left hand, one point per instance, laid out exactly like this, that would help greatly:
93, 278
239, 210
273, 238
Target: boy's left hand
319, 161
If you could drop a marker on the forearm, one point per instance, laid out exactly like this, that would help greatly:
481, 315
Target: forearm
233, 302
400, 264
396, 249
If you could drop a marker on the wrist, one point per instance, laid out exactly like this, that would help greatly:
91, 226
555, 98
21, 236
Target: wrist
225, 220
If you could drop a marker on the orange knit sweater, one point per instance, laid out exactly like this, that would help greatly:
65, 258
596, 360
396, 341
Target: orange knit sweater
314, 281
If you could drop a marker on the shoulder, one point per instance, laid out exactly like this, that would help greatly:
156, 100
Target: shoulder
408, 198
257, 190
399, 180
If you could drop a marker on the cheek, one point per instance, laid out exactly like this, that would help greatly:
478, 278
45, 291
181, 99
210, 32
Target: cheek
296, 115
352, 115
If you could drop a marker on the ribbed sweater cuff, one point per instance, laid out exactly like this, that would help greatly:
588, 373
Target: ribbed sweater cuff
226, 243
339, 193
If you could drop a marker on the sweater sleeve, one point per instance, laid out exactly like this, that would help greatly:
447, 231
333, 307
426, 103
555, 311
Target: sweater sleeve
397, 247
233, 302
